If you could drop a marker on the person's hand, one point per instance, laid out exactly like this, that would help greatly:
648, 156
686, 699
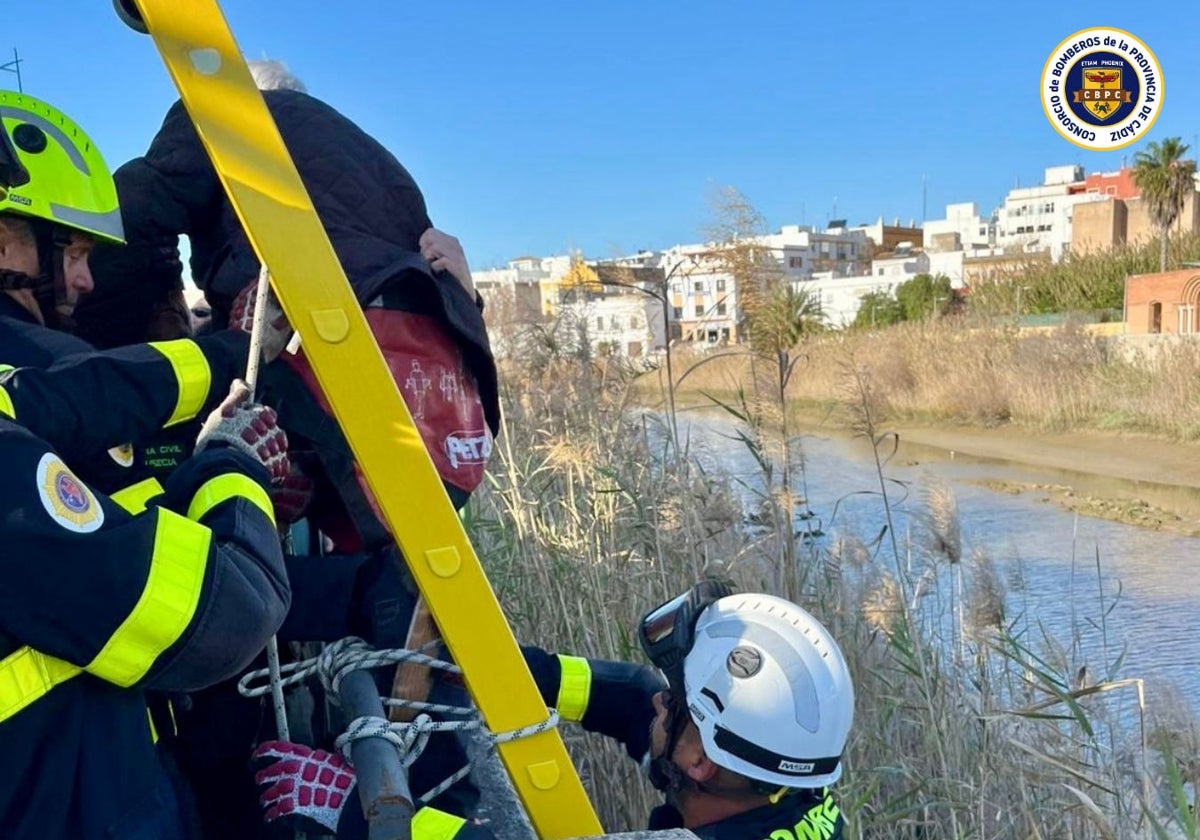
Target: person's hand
292, 496
303, 787
277, 332
249, 428
445, 253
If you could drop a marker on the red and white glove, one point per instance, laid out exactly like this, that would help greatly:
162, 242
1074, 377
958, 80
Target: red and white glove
248, 427
292, 497
277, 332
305, 787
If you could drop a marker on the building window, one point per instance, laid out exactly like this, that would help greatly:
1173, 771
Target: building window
699, 310
795, 262
677, 312
615, 323
983, 231
599, 323
720, 284
880, 272
698, 287
720, 309
1110, 190
677, 287
1049, 208
635, 323
1187, 319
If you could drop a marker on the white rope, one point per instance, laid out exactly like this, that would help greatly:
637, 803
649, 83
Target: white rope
252, 364
345, 656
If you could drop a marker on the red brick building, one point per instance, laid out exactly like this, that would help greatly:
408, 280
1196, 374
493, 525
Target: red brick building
1166, 302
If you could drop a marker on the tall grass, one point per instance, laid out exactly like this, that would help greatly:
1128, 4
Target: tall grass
969, 723
1078, 282
950, 370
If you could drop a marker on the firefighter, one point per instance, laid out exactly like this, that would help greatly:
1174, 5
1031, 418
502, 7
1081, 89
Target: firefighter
57, 200
744, 736
99, 605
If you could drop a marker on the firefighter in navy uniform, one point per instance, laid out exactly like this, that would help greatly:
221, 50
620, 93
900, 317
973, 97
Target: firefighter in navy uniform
99, 605
744, 737
57, 200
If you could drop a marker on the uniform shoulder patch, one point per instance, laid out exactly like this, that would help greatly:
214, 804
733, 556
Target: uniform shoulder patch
68, 501
122, 454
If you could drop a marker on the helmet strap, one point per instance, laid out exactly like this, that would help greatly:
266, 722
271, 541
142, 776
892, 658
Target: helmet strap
51, 288
663, 772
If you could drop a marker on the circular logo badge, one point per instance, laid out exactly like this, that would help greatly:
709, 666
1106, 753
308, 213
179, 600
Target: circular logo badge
1102, 88
743, 662
66, 499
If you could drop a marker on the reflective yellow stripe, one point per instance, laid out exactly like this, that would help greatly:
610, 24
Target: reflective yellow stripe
134, 497
153, 730
574, 687
226, 487
166, 606
432, 824
193, 377
26, 675
6, 404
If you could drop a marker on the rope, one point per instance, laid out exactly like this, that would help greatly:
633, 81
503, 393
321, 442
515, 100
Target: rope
252, 364
345, 656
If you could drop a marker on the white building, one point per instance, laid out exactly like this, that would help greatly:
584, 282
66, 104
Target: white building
704, 297
974, 231
627, 324
1039, 218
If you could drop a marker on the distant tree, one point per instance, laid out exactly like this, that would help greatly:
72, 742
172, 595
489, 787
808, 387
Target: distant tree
878, 309
1165, 180
923, 296
580, 282
782, 319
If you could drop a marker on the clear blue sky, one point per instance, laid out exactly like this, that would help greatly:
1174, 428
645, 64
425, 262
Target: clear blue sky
537, 127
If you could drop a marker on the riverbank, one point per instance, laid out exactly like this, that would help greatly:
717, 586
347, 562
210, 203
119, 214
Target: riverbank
1137, 479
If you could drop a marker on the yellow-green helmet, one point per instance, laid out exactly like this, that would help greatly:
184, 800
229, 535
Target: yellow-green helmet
50, 169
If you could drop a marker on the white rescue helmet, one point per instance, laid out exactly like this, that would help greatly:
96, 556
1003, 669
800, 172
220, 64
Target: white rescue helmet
770, 692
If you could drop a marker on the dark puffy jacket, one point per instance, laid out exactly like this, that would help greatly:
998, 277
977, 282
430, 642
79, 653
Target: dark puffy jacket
371, 208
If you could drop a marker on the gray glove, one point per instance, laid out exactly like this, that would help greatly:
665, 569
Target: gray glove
249, 428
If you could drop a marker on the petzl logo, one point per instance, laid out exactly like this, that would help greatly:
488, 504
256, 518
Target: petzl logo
1102, 88
468, 447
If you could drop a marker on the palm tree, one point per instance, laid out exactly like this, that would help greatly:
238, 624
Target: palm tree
1165, 180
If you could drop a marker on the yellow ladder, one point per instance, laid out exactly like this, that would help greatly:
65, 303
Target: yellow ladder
241, 138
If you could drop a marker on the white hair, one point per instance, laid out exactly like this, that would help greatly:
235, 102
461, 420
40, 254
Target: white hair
270, 74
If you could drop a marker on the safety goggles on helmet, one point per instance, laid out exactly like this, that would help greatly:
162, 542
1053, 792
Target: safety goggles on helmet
12, 173
667, 632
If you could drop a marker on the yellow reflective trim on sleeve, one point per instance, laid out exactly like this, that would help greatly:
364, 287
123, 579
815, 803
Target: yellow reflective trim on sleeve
432, 824
574, 687
226, 487
166, 606
134, 497
153, 729
193, 377
27, 675
6, 404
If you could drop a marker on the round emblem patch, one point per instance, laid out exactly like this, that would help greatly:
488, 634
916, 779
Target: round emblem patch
1102, 88
743, 662
68, 501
